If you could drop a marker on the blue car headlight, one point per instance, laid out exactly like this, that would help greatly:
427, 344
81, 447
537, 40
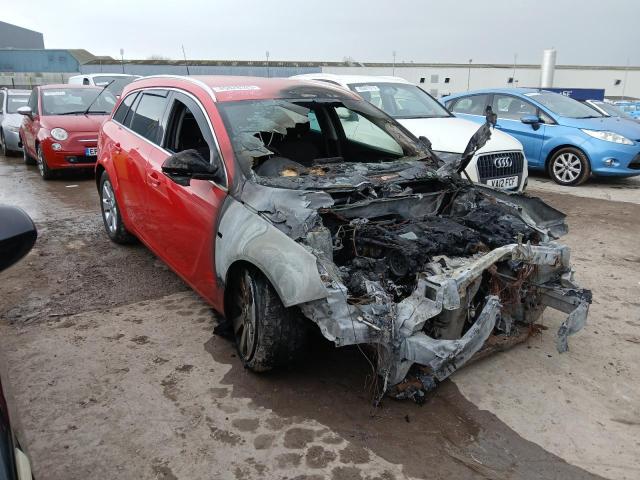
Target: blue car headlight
608, 136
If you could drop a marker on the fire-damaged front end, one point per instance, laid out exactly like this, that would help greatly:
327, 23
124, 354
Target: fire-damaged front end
424, 267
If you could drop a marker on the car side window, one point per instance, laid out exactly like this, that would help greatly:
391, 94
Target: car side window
473, 105
512, 108
121, 113
148, 113
33, 101
361, 130
188, 129
2, 102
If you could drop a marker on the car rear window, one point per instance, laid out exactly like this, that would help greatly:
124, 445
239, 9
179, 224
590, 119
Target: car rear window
146, 120
124, 108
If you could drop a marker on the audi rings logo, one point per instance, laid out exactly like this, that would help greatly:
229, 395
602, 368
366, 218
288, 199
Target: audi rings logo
502, 162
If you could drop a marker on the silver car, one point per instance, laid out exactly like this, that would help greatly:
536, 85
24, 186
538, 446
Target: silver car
10, 119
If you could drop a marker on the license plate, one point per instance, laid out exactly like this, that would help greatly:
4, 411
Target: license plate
91, 151
505, 182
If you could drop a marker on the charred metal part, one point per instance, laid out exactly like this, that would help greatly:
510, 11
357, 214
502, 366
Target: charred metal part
248, 237
427, 269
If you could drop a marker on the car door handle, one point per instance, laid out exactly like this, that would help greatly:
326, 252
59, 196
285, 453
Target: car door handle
153, 179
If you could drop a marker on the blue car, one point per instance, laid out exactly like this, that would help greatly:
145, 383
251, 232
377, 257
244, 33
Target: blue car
567, 139
630, 108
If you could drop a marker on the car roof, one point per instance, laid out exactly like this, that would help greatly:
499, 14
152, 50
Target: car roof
66, 86
351, 79
104, 74
16, 91
512, 91
223, 88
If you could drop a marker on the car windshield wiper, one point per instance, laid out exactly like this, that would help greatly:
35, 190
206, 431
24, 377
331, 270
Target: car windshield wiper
101, 112
591, 116
70, 113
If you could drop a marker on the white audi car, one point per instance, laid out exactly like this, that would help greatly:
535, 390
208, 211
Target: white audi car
500, 163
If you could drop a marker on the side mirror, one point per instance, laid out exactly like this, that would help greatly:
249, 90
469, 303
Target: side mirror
17, 235
532, 120
182, 167
26, 111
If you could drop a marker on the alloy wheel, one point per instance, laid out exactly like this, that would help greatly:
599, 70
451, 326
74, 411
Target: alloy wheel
567, 167
40, 162
109, 207
3, 145
244, 318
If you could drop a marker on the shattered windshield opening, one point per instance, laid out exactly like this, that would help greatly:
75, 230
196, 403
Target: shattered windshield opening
321, 144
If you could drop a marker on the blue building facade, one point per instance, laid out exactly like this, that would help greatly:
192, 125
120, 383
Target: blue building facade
37, 60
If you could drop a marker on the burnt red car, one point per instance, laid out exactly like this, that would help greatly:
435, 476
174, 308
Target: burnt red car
292, 205
61, 124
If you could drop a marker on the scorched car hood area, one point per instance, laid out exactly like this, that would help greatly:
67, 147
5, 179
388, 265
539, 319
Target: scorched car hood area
426, 268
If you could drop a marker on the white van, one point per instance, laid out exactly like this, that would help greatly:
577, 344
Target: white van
120, 80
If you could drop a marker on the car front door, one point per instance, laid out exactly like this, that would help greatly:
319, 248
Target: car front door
181, 220
510, 110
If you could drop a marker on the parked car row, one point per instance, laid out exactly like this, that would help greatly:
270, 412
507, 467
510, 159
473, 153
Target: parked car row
562, 136
500, 163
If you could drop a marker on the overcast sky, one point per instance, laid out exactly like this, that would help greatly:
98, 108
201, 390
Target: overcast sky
591, 32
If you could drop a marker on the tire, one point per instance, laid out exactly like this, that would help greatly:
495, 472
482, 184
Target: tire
569, 166
3, 145
28, 159
267, 334
45, 172
111, 217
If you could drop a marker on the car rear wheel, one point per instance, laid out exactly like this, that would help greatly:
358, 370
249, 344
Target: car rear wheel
569, 166
111, 217
267, 334
28, 159
45, 172
3, 145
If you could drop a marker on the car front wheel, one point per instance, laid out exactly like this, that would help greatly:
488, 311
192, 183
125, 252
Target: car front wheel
569, 166
111, 216
267, 334
45, 172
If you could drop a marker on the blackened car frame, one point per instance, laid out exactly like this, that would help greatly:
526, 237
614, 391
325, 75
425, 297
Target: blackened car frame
374, 241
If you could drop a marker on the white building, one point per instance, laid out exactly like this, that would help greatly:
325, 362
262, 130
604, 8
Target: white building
441, 79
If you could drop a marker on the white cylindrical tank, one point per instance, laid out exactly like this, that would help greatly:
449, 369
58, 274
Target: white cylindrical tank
548, 67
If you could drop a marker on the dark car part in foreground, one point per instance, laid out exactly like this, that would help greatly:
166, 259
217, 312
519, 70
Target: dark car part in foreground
17, 236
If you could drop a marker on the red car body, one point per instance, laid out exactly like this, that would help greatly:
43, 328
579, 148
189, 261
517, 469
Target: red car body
35, 132
151, 201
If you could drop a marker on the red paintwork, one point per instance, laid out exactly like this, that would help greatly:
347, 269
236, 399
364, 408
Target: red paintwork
179, 223
36, 131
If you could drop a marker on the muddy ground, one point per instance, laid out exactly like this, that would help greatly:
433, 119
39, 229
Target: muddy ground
116, 373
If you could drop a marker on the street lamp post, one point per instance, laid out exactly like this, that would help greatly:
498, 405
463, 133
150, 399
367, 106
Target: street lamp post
469, 74
268, 73
122, 59
393, 70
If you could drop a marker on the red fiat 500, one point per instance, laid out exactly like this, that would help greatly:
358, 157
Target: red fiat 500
61, 124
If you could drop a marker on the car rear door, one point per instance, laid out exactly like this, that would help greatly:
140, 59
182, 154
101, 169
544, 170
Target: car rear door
181, 220
127, 149
510, 109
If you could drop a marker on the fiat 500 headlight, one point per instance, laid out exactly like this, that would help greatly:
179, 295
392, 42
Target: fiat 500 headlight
608, 136
59, 134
